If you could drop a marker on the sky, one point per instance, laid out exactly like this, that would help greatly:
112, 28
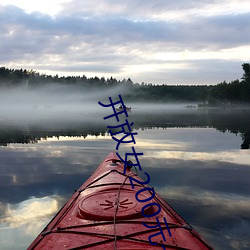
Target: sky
153, 41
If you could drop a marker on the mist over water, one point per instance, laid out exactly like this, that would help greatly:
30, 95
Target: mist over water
55, 102
64, 103
58, 109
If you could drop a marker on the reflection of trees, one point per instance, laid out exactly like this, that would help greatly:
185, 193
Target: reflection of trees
16, 137
233, 121
237, 122
19, 135
246, 141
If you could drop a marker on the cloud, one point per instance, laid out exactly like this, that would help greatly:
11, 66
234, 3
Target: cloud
95, 38
116, 30
233, 204
149, 9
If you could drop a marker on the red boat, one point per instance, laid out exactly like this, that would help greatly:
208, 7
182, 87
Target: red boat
116, 211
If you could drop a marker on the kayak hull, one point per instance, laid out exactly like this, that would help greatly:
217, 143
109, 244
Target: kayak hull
108, 211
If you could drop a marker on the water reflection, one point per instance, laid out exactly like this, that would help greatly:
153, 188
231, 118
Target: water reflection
29, 210
194, 162
24, 219
233, 121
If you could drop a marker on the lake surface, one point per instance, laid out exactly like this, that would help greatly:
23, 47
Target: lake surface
198, 161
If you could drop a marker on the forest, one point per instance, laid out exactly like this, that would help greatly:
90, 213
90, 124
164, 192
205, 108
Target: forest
224, 93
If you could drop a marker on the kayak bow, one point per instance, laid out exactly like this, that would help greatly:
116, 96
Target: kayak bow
110, 212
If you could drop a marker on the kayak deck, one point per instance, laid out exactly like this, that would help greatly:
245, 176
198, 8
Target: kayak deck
105, 213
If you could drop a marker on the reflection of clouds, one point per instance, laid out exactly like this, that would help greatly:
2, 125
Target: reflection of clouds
202, 144
237, 156
189, 139
173, 143
164, 145
228, 203
2, 209
226, 240
207, 184
25, 220
29, 212
222, 219
57, 157
14, 179
46, 168
57, 153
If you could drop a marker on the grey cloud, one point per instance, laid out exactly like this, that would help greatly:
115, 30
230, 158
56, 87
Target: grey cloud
84, 68
209, 71
130, 7
98, 40
217, 31
220, 31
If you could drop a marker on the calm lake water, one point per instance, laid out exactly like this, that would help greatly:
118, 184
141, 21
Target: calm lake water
198, 161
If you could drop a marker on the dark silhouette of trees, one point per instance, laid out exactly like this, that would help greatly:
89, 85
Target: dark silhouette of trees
234, 92
246, 69
221, 94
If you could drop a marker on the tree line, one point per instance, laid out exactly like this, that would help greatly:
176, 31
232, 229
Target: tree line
236, 91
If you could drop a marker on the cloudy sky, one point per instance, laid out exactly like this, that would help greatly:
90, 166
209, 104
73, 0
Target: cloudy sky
157, 41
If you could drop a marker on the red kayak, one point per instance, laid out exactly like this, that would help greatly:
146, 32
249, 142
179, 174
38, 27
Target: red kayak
116, 211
